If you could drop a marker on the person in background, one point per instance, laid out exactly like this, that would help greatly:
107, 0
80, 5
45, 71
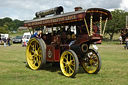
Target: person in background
69, 33
37, 34
9, 41
120, 39
123, 37
5, 40
24, 42
126, 43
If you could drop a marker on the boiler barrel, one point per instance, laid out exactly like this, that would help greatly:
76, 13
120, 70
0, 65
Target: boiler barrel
55, 11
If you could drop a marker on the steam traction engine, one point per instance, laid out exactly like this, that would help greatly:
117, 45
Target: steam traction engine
69, 48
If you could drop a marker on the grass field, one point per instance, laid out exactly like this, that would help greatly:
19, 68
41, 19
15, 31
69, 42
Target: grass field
114, 69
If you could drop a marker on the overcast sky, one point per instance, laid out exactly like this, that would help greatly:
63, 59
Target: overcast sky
26, 9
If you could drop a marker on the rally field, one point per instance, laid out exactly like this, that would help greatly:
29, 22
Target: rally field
114, 69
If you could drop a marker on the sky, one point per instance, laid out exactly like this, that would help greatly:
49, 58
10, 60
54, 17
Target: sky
26, 9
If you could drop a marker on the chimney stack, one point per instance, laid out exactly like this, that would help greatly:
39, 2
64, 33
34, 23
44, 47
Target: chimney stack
78, 8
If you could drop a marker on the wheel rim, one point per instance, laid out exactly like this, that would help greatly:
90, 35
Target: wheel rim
34, 54
90, 62
67, 64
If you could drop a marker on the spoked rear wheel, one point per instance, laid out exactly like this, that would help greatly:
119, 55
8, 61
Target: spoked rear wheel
91, 62
69, 63
35, 53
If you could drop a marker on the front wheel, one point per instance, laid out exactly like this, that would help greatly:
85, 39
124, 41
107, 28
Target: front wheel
69, 63
36, 53
91, 62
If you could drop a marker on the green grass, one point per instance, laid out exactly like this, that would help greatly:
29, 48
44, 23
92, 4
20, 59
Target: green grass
13, 71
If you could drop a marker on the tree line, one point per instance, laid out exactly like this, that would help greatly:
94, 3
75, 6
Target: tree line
8, 25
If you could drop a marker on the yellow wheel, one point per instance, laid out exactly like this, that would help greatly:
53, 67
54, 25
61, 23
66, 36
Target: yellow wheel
35, 53
69, 63
91, 62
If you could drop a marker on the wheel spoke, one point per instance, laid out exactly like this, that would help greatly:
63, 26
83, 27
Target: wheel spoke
66, 67
64, 62
39, 56
34, 62
70, 57
72, 63
95, 64
70, 69
95, 61
39, 53
65, 58
32, 51
38, 49
37, 61
35, 45
91, 67
32, 46
31, 58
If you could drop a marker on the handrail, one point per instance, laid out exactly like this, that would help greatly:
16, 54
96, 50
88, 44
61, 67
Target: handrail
91, 17
86, 26
105, 25
100, 25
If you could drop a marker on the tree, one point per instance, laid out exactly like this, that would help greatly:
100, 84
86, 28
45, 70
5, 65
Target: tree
3, 30
9, 24
1, 22
118, 21
12, 26
7, 19
17, 23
